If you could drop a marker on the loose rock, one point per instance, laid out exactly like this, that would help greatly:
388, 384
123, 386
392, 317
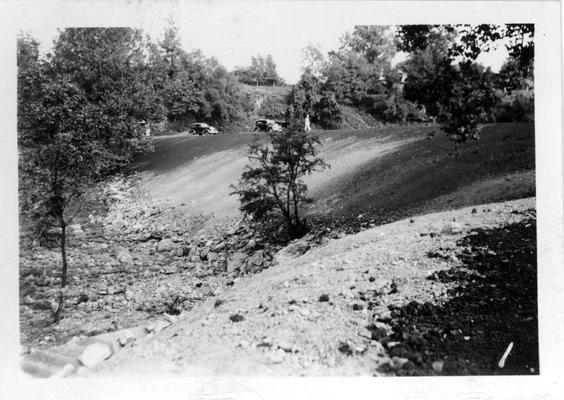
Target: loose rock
94, 354
165, 245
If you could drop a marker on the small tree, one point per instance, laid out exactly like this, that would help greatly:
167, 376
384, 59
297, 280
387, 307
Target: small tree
272, 186
78, 121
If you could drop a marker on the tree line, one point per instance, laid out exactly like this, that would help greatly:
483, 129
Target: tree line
439, 80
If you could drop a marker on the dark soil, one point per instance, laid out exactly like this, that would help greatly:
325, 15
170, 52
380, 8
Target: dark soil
493, 304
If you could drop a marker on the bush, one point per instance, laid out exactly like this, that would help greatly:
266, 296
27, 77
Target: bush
519, 107
271, 108
271, 187
327, 113
393, 108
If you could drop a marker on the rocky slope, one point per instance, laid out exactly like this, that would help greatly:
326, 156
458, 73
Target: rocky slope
443, 293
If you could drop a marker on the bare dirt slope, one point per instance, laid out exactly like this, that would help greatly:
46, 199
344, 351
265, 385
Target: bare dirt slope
444, 293
384, 173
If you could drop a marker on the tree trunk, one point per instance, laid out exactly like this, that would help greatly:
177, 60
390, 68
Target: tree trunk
64, 255
59, 310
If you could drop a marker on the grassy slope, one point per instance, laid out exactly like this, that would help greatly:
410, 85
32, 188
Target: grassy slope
383, 173
421, 176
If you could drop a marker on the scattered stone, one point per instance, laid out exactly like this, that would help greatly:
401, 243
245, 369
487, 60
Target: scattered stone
204, 253
212, 257
129, 294
236, 318
251, 244
297, 247
126, 337
172, 318
256, 259
169, 270
165, 245
82, 298
378, 348
178, 251
323, 298
438, 366
265, 342
305, 312
365, 333
115, 289
218, 302
452, 228
345, 348
123, 256
157, 326
94, 354
357, 307
117, 226
236, 262
285, 346
474, 211
397, 362
411, 220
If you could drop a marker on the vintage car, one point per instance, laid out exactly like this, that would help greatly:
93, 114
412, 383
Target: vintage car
267, 125
200, 128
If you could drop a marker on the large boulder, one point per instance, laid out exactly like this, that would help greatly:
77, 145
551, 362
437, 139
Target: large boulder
236, 262
94, 354
297, 247
123, 255
212, 256
165, 245
117, 226
256, 259
204, 253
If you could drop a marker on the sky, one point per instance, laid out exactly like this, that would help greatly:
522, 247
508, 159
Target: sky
232, 32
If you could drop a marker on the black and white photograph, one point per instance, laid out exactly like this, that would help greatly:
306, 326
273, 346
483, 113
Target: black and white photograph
279, 189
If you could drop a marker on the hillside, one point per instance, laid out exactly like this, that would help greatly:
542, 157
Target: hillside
383, 173
167, 242
398, 302
441, 294
267, 101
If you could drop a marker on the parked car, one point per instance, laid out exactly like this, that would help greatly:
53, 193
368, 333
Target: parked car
200, 128
267, 125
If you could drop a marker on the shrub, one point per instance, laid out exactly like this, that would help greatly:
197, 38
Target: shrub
272, 186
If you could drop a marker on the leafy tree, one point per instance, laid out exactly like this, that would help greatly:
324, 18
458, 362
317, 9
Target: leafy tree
272, 186
313, 60
262, 71
472, 39
78, 120
426, 68
444, 77
327, 111
303, 97
373, 42
466, 101
513, 76
191, 86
